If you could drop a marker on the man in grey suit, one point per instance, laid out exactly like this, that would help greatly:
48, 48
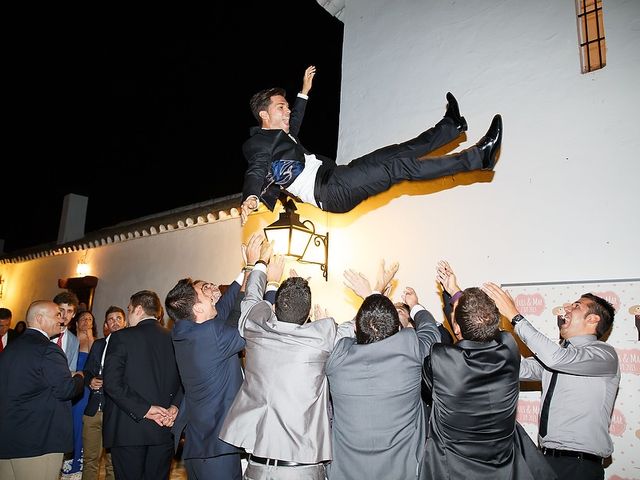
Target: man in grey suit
375, 383
281, 413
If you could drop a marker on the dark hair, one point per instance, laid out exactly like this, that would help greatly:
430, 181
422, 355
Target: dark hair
67, 297
149, 301
5, 313
601, 307
73, 324
376, 319
20, 327
293, 301
180, 300
261, 100
112, 309
477, 316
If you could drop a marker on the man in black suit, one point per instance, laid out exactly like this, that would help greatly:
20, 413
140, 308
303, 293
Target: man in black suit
115, 320
475, 386
36, 389
6, 332
279, 164
142, 382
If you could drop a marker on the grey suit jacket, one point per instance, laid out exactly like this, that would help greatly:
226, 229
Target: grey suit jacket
378, 425
282, 408
71, 349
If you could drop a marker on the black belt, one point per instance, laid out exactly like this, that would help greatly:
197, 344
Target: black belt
278, 463
552, 452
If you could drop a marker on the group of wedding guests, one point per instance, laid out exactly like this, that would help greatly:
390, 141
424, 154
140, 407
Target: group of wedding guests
384, 395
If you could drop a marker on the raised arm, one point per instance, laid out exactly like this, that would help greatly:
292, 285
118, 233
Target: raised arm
426, 327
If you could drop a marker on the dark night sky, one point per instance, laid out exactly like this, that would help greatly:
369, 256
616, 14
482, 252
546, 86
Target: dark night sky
120, 93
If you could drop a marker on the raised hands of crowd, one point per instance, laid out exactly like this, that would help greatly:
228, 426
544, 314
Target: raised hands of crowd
410, 297
447, 278
251, 251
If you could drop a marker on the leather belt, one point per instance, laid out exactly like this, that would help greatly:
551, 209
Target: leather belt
278, 463
552, 452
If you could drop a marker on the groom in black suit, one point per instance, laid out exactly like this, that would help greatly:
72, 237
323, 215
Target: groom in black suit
142, 382
279, 164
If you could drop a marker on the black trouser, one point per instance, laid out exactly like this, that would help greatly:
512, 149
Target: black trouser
346, 186
144, 462
570, 468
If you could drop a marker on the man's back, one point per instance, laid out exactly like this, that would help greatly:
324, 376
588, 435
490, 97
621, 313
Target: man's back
35, 393
139, 370
281, 411
475, 390
378, 426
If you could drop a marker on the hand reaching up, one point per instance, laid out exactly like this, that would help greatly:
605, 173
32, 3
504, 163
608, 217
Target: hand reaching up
385, 277
446, 277
358, 283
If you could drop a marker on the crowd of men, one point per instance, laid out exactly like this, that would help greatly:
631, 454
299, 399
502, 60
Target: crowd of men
254, 372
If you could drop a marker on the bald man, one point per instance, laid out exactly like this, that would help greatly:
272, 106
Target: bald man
36, 389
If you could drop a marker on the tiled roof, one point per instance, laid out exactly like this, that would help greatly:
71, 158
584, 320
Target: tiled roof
189, 216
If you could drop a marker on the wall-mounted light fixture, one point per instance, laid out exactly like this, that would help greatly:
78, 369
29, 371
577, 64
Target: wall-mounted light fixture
82, 270
292, 237
1, 286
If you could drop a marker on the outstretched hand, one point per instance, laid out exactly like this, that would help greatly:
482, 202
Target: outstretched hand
358, 283
503, 299
307, 79
446, 277
410, 297
251, 250
385, 277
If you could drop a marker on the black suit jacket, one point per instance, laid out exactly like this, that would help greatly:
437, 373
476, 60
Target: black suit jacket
36, 389
264, 147
139, 371
91, 369
472, 430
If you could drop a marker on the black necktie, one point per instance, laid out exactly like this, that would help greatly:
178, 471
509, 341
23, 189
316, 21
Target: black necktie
544, 413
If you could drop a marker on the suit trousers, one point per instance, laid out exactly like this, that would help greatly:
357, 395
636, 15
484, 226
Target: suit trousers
92, 449
257, 471
570, 468
222, 467
142, 462
344, 187
43, 467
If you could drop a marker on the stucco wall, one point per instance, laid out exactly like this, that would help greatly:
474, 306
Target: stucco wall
210, 252
563, 203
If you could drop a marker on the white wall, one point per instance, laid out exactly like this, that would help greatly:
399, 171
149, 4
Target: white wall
563, 203
210, 252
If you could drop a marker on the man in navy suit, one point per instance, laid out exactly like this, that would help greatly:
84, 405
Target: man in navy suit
36, 389
7, 334
207, 348
277, 163
142, 382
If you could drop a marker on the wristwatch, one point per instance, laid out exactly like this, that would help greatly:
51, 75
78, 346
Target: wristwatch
516, 319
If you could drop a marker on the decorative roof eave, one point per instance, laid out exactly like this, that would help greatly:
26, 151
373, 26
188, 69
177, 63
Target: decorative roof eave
334, 7
186, 217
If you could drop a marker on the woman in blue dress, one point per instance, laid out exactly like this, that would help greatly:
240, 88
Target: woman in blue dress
84, 326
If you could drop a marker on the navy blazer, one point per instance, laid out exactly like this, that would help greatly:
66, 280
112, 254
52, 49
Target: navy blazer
36, 389
91, 369
207, 356
139, 371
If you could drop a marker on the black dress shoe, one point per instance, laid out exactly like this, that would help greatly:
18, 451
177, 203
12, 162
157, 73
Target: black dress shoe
490, 144
453, 112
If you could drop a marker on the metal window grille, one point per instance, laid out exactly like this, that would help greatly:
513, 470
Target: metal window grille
591, 35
